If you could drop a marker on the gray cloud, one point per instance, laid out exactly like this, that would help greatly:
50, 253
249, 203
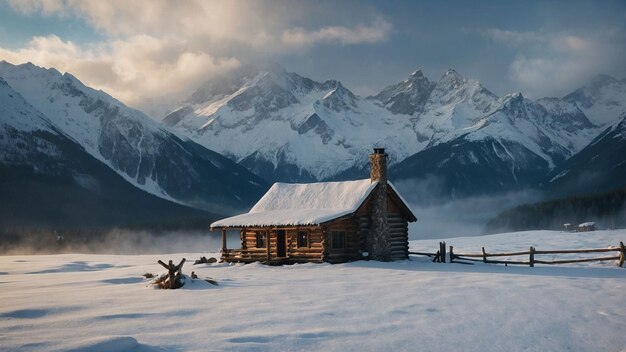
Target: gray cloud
537, 47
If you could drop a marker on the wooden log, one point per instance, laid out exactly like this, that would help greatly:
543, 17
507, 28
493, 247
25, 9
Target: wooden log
462, 257
568, 261
300, 254
622, 257
508, 262
570, 251
531, 259
180, 265
451, 254
400, 227
163, 264
476, 255
398, 245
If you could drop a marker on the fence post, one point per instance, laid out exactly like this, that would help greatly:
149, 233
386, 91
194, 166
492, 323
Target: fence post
531, 261
442, 245
451, 254
622, 256
484, 256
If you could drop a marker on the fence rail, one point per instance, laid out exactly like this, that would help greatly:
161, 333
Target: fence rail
438, 257
532, 252
467, 258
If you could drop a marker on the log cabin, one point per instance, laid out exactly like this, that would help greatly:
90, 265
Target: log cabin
319, 222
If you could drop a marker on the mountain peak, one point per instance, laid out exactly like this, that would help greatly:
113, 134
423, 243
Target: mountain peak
407, 97
340, 98
416, 75
451, 73
450, 80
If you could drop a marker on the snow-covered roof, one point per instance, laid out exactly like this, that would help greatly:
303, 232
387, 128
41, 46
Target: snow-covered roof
304, 204
587, 224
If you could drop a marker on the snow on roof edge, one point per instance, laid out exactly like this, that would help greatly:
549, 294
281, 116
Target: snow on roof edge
298, 217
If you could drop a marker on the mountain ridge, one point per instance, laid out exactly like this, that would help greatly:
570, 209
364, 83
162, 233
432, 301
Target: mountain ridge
138, 148
287, 129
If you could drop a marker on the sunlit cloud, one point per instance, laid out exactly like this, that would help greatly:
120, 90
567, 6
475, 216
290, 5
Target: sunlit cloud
155, 48
360, 34
130, 69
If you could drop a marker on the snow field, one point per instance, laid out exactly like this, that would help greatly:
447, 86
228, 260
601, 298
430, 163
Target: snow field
102, 302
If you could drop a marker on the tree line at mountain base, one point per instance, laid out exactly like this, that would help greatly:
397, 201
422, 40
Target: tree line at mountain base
607, 210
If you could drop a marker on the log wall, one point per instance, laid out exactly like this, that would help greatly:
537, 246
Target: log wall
399, 236
249, 252
352, 244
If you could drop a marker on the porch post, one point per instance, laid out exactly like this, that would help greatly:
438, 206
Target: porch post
224, 247
267, 243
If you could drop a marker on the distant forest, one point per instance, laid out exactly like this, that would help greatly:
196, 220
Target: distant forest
607, 210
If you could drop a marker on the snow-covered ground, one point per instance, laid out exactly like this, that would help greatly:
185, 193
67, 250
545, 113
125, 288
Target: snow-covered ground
102, 302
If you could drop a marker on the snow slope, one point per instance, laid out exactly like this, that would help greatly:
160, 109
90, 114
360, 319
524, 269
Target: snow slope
133, 145
101, 302
47, 179
599, 167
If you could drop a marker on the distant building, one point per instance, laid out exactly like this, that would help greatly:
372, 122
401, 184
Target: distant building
568, 227
324, 222
587, 226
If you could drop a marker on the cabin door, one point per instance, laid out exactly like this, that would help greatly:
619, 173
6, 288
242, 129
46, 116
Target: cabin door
281, 244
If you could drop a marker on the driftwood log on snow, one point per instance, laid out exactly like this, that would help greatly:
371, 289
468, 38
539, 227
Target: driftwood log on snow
172, 279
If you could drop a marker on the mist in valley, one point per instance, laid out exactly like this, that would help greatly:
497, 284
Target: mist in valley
440, 215
113, 241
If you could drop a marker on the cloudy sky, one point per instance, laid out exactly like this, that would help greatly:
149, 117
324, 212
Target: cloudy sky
149, 48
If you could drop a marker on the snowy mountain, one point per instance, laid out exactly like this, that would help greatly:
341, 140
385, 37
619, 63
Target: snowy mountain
46, 178
286, 127
602, 100
289, 128
599, 167
407, 97
136, 147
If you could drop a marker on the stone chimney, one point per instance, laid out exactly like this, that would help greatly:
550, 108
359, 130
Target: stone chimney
379, 241
378, 165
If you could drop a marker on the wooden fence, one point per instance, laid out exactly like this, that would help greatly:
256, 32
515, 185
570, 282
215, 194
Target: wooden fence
439, 256
467, 258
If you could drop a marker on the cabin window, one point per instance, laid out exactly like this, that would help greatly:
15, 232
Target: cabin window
338, 239
261, 239
303, 239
